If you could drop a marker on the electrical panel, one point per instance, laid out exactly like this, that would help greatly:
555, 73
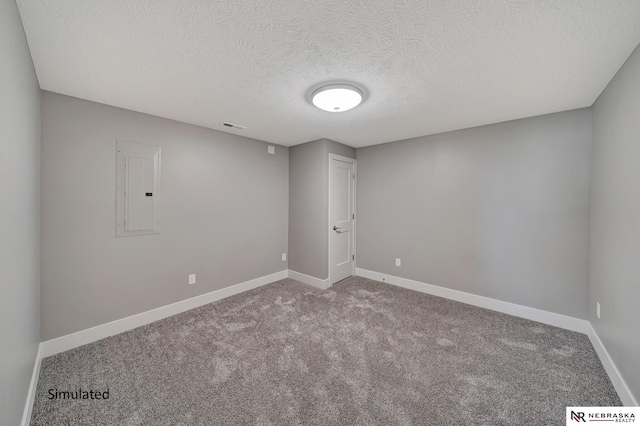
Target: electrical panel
137, 189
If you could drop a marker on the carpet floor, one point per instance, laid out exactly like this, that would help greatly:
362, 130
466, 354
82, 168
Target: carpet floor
360, 353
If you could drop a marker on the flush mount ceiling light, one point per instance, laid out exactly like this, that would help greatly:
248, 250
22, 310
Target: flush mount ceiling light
337, 97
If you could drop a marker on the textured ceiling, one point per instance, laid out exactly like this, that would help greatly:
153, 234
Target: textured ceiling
429, 65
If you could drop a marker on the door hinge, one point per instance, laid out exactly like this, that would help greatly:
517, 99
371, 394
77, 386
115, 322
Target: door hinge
353, 257
353, 216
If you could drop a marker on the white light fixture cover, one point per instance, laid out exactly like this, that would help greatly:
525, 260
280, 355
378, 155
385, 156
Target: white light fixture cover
337, 97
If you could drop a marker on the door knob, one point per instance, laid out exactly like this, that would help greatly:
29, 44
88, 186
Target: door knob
336, 228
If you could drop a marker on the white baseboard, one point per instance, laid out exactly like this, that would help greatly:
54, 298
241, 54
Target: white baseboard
618, 382
308, 279
33, 385
545, 317
70, 341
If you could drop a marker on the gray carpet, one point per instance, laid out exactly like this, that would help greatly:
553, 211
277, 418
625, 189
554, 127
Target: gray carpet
362, 352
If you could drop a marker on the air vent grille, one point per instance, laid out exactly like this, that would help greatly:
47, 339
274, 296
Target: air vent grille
233, 126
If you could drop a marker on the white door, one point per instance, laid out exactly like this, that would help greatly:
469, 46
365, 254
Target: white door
341, 217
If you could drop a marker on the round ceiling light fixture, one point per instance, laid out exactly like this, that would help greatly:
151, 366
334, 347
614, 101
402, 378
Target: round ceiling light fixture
337, 97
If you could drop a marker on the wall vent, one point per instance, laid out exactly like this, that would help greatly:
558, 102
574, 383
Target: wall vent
234, 126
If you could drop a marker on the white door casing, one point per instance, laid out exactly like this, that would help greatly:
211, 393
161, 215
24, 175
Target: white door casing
341, 217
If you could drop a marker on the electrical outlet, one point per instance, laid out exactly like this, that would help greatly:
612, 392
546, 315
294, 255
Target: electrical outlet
284, 256
398, 261
271, 149
598, 309
192, 279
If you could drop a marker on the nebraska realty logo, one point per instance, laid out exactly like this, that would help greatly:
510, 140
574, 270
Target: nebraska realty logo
602, 414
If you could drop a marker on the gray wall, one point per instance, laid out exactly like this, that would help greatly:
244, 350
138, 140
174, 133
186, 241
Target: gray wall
19, 215
224, 214
500, 211
306, 230
309, 205
615, 225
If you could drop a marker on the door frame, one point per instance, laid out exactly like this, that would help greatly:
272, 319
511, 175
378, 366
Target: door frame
353, 234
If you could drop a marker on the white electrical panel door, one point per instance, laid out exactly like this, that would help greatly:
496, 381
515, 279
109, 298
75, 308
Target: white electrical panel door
138, 189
